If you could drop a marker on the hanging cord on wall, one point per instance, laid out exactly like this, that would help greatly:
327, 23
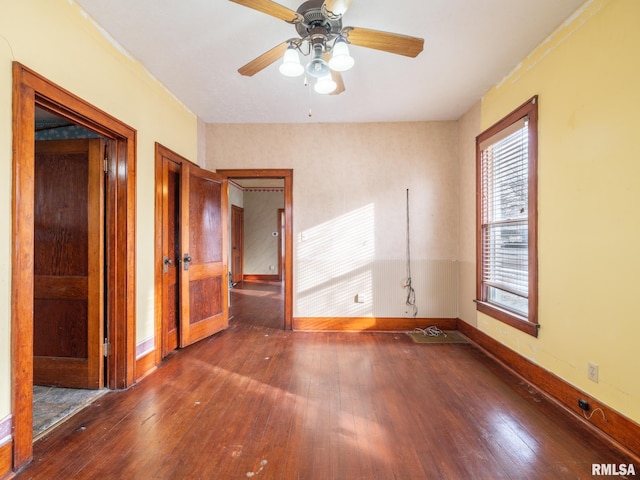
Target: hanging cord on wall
13, 57
410, 301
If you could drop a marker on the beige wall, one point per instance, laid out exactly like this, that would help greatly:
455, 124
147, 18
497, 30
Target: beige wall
260, 221
59, 41
587, 76
349, 199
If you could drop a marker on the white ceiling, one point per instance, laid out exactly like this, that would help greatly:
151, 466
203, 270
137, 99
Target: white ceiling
194, 47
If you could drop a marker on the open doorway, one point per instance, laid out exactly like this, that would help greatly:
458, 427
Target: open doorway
281, 233
32, 91
69, 269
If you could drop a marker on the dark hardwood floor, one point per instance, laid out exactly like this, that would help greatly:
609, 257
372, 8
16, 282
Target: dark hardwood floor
258, 402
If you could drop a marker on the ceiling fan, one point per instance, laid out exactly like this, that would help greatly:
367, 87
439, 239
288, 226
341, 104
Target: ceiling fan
322, 37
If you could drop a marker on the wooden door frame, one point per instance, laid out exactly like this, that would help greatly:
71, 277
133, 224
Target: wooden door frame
31, 90
287, 176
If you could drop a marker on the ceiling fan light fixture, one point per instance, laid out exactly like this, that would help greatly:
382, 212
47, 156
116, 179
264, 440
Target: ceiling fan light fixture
341, 61
336, 7
325, 84
318, 67
291, 66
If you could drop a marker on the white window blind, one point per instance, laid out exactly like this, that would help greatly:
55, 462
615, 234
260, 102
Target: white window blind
504, 217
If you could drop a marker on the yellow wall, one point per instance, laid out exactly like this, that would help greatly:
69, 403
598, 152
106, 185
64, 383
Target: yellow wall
587, 75
59, 41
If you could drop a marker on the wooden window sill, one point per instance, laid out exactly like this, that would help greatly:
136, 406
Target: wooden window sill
518, 322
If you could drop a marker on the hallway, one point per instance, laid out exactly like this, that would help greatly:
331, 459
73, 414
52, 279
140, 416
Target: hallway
256, 400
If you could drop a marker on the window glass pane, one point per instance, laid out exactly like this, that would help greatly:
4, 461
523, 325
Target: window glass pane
506, 257
509, 301
506, 178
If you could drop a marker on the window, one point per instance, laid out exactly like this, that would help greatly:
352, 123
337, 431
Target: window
507, 253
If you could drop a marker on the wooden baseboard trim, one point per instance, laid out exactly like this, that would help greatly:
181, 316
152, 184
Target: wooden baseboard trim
260, 278
145, 365
369, 324
618, 429
6, 461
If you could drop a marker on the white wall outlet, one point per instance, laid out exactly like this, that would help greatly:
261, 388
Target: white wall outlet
359, 298
592, 372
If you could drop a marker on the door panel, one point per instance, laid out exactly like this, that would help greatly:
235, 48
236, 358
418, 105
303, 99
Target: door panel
204, 275
171, 256
237, 243
68, 263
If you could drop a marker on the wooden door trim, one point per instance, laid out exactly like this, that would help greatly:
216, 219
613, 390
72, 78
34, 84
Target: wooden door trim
31, 89
287, 175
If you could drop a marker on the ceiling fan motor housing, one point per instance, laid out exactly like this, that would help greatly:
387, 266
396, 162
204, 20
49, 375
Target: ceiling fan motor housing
316, 25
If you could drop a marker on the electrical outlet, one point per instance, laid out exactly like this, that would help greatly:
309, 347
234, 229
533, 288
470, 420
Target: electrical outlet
592, 372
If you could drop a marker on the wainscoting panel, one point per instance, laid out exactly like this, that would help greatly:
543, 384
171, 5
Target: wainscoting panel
357, 287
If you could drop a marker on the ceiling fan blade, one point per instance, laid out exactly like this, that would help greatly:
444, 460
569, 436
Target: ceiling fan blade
271, 8
264, 60
337, 77
336, 7
385, 41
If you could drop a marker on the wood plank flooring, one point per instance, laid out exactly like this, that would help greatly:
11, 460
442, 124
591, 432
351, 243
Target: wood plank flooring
258, 402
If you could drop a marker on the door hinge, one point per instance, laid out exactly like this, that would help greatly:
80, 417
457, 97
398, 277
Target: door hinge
105, 159
106, 348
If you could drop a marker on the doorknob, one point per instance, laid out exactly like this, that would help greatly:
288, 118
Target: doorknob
186, 260
166, 261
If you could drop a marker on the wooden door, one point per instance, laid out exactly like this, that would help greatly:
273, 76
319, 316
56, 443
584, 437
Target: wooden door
281, 244
204, 275
237, 243
68, 301
171, 256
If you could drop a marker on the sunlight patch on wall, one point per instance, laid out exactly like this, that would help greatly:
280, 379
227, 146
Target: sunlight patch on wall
334, 262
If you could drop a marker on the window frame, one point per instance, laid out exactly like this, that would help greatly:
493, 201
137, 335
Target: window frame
528, 324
